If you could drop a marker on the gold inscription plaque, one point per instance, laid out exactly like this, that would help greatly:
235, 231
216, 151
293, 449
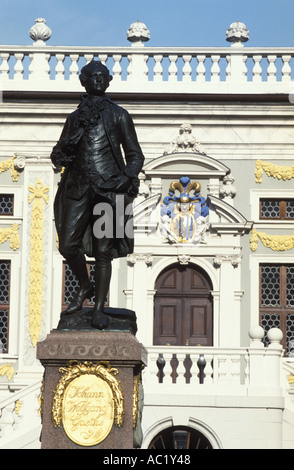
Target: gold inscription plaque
88, 399
88, 410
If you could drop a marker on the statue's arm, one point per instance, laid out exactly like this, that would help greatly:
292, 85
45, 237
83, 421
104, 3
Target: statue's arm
133, 154
63, 152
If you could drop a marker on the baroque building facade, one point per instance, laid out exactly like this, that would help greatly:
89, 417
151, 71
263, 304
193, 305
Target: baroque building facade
211, 276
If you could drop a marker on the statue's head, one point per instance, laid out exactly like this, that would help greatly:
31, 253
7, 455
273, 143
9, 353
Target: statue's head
95, 78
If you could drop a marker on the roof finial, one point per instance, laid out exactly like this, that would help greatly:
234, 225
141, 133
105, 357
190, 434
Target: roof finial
237, 33
138, 33
40, 32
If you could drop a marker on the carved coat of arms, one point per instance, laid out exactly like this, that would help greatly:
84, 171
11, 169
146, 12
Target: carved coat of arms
184, 212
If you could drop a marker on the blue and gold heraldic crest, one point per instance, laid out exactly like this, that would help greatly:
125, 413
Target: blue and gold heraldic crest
184, 213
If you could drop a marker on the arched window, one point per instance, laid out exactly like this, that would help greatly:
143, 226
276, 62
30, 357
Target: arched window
183, 311
180, 437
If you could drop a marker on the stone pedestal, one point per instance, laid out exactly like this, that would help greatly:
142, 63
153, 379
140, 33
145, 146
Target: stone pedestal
118, 350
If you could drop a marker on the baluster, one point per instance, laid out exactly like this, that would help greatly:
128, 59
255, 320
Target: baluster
244, 68
271, 70
215, 69
59, 69
160, 365
88, 58
187, 70
228, 69
167, 369
158, 68
130, 66
194, 371
18, 68
201, 363
4, 68
103, 58
151, 372
286, 70
74, 69
116, 70
47, 67
172, 70
201, 68
145, 68
181, 370
257, 70
209, 374
247, 370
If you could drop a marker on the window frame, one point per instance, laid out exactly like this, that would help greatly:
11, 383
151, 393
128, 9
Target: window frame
282, 310
13, 199
6, 306
282, 209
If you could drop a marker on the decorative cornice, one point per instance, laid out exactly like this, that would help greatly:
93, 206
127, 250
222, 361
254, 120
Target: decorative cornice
280, 172
274, 242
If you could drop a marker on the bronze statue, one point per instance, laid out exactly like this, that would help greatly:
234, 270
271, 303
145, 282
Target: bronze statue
95, 173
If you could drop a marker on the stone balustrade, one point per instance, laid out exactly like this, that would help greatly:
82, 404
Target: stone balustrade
242, 371
141, 69
153, 70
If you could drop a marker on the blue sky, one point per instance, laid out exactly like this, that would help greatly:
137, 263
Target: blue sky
171, 22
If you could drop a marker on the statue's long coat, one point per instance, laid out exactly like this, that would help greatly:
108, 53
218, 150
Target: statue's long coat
120, 131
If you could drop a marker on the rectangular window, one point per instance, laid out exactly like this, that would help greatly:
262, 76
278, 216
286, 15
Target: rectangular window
277, 300
276, 209
71, 285
6, 204
4, 304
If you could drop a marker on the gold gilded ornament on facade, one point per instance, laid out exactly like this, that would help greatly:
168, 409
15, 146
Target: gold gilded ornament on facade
88, 399
276, 171
274, 242
8, 370
9, 164
36, 198
11, 234
291, 379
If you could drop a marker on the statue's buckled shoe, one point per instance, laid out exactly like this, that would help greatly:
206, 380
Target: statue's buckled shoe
79, 299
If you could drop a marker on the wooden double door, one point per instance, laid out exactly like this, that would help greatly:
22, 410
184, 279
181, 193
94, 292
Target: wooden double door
183, 309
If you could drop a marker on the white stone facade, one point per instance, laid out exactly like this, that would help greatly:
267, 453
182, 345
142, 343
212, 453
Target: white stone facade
213, 124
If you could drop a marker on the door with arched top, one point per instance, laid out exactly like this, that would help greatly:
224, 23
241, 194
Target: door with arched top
183, 309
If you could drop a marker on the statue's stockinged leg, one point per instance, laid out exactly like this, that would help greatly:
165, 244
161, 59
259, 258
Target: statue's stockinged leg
79, 268
102, 281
